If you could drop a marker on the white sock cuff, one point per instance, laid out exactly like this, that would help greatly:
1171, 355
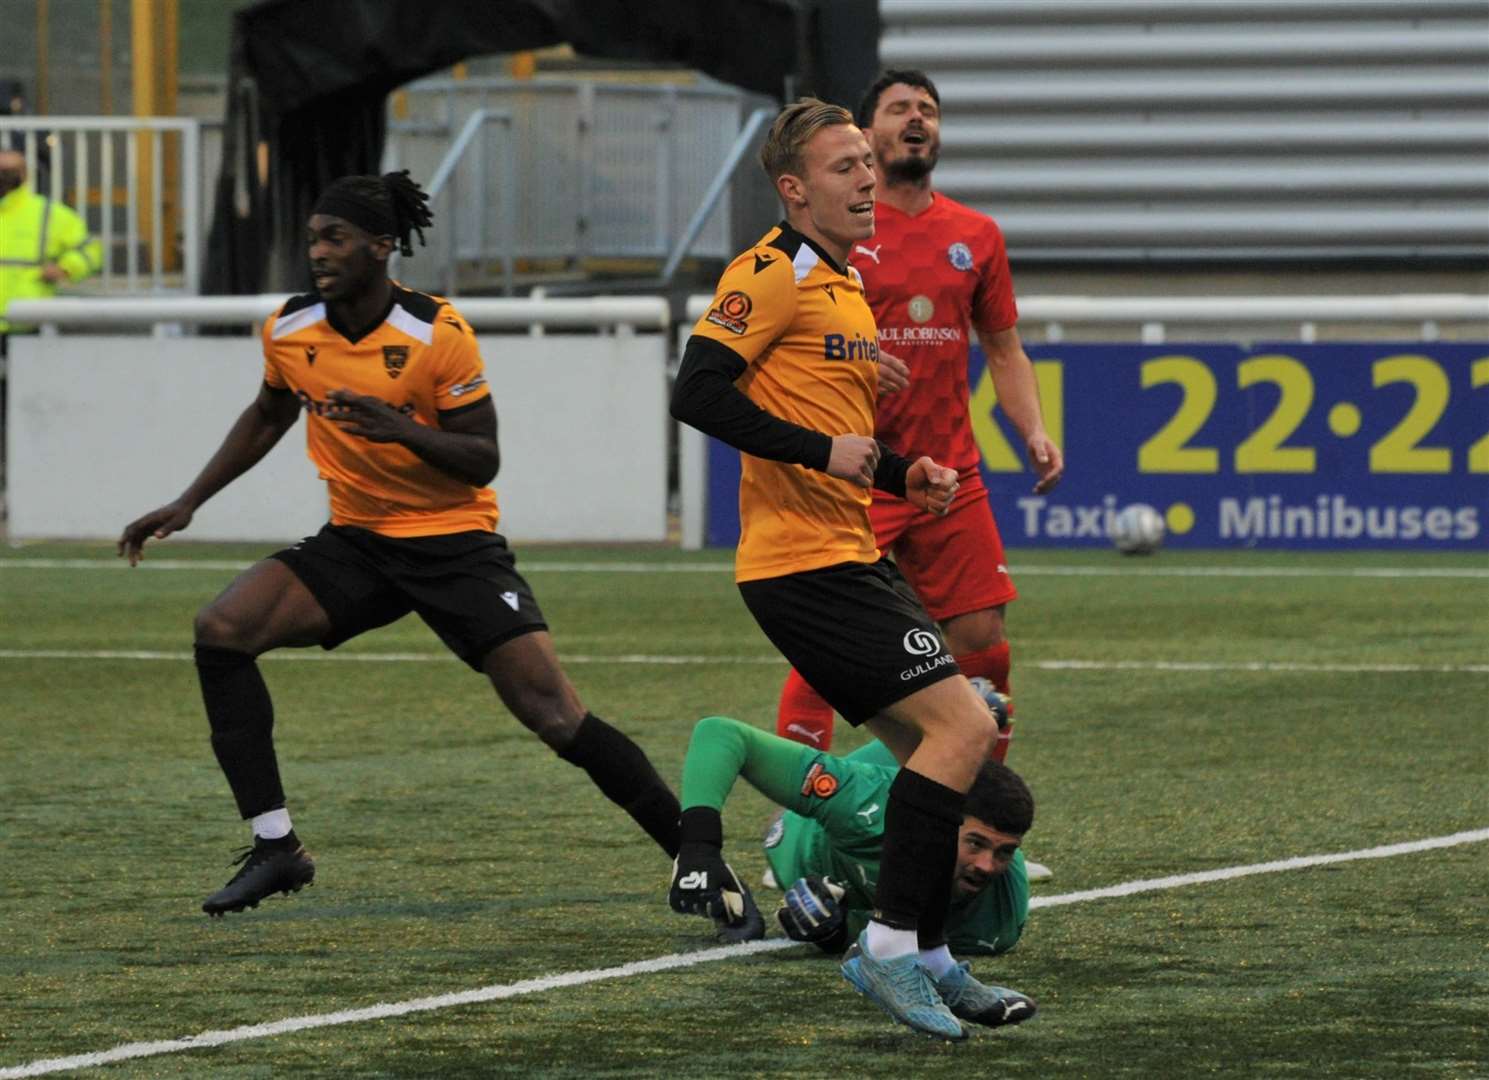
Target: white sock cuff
272, 826
887, 943
938, 960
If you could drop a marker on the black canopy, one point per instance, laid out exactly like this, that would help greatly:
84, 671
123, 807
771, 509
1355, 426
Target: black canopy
309, 81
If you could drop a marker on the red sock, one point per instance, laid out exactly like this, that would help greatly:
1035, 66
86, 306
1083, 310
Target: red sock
993, 664
803, 715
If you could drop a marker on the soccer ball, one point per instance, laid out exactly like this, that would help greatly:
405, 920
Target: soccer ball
1137, 530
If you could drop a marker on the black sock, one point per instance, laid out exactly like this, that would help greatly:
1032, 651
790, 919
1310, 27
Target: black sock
921, 820
621, 770
930, 932
242, 719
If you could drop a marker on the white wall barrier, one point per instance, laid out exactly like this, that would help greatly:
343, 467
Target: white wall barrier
102, 428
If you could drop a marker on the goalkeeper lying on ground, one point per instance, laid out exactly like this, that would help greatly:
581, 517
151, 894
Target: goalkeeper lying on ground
826, 844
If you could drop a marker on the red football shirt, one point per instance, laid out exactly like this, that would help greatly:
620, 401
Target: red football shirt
929, 278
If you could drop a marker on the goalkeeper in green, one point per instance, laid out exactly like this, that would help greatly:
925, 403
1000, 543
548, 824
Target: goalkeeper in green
824, 848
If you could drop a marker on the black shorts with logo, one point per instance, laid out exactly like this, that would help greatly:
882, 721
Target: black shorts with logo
464, 585
855, 631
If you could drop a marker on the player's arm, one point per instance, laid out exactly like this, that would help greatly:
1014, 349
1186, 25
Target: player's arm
1018, 396
754, 306
253, 434
463, 446
705, 397
463, 443
720, 751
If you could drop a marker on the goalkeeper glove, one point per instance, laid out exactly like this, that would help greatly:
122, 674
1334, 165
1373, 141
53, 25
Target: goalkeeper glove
702, 883
812, 910
1001, 706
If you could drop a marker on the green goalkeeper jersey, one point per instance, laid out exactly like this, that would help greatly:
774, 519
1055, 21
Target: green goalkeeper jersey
833, 824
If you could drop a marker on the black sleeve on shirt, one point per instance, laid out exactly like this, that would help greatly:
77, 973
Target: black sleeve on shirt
706, 398
889, 474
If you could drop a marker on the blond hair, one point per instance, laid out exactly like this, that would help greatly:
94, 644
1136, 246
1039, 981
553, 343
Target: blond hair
793, 129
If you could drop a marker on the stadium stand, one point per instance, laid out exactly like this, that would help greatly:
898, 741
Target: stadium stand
1108, 130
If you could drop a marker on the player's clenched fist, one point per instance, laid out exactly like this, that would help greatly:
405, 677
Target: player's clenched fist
931, 486
812, 910
703, 884
854, 458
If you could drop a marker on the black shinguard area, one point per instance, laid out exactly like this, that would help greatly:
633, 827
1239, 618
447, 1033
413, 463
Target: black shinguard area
624, 774
921, 822
242, 719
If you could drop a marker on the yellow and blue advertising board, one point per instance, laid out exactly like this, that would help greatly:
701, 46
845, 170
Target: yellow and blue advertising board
1306, 446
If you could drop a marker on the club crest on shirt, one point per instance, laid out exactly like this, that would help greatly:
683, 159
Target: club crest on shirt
819, 782
394, 358
960, 256
732, 312
920, 308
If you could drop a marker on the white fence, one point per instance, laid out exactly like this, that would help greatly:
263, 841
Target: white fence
102, 427
136, 181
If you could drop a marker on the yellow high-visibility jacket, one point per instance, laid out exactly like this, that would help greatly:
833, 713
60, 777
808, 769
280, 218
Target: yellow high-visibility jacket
36, 231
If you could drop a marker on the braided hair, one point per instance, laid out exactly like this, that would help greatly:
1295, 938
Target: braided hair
388, 205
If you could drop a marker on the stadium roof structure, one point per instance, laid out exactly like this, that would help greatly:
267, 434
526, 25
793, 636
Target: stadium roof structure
309, 79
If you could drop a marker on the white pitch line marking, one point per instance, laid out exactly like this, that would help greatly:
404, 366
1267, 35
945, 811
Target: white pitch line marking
1279, 667
1267, 666
1297, 862
672, 962
539, 566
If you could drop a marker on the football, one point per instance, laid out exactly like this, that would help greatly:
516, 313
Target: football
1137, 530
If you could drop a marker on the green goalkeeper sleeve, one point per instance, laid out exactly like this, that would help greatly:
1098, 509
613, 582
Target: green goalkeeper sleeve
723, 749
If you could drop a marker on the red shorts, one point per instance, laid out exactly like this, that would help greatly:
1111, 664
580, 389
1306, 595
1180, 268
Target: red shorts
955, 563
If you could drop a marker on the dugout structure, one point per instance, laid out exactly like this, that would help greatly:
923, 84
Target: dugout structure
308, 81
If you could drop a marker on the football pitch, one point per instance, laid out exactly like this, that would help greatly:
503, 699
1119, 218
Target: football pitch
1191, 721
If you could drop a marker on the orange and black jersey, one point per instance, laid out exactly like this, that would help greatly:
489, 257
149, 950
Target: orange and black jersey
785, 359
422, 360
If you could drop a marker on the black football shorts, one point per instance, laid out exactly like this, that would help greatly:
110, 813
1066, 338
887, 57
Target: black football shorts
856, 632
464, 585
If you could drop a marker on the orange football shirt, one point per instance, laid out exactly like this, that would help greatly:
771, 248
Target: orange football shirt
803, 327
421, 359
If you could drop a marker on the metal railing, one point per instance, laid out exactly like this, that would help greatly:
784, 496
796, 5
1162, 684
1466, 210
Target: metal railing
597, 170
465, 235
137, 183
716, 190
166, 316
